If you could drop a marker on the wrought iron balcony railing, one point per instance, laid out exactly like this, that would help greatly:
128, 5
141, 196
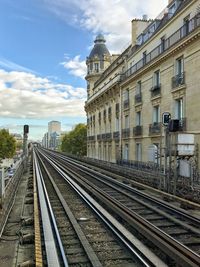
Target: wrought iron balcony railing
126, 103
182, 124
155, 128
103, 136
178, 80
99, 137
181, 33
116, 135
126, 133
156, 90
137, 130
108, 136
91, 138
138, 98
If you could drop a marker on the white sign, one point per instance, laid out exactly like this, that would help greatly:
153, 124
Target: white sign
186, 145
152, 153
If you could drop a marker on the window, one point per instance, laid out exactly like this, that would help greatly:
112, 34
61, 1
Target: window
179, 66
126, 121
126, 99
139, 39
186, 23
162, 44
138, 88
138, 151
117, 124
179, 108
126, 95
96, 67
172, 10
156, 78
117, 108
156, 114
138, 118
126, 152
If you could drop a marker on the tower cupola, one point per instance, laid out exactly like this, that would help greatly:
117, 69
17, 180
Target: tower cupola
98, 60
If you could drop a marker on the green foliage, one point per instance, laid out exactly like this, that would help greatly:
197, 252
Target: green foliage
74, 142
7, 144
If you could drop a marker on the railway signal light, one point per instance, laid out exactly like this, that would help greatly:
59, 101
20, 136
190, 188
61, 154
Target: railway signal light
166, 116
26, 129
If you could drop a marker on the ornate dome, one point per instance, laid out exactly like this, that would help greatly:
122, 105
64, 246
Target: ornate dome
99, 48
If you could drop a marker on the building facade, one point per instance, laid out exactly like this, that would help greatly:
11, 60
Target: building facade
54, 126
158, 72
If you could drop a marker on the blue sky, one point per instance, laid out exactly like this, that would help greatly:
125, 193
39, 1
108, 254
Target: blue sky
43, 47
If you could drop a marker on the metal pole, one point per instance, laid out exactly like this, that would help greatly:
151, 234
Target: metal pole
170, 163
175, 165
2, 185
165, 156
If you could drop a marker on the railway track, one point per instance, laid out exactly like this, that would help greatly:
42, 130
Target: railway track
80, 226
163, 225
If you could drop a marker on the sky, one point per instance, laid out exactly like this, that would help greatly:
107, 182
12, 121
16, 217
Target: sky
43, 49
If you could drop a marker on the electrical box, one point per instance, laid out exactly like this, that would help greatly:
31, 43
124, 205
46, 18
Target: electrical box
173, 125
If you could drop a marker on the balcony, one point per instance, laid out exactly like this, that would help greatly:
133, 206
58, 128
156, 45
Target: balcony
178, 80
182, 124
91, 138
177, 36
155, 90
138, 98
155, 128
137, 131
103, 137
108, 136
126, 104
126, 133
116, 135
99, 137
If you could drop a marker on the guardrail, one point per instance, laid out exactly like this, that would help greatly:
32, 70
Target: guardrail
8, 192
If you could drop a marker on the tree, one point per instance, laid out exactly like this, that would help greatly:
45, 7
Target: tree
75, 142
7, 144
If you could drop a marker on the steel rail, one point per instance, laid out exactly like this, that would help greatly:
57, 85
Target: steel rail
131, 242
139, 193
120, 185
49, 223
179, 251
87, 247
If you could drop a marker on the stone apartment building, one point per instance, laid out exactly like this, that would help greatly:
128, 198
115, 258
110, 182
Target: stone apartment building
159, 72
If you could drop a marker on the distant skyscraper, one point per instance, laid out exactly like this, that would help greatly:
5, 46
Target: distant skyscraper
54, 130
54, 126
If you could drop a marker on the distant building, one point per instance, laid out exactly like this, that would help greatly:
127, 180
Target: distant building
54, 126
52, 140
45, 140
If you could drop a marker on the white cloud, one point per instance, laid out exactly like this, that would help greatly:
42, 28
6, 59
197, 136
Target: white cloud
113, 17
75, 66
9, 65
25, 95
